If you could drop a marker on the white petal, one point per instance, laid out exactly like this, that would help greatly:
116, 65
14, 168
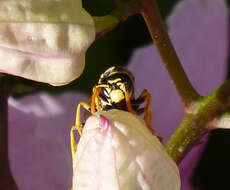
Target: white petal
125, 156
44, 41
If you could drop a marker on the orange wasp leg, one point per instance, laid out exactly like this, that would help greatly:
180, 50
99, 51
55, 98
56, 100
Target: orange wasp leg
128, 103
148, 109
77, 127
95, 99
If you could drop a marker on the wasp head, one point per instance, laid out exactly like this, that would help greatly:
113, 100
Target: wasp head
114, 83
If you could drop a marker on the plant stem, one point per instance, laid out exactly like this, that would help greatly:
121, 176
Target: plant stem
168, 55
6, 179
195, 125
105, 24
199, 111
122, 11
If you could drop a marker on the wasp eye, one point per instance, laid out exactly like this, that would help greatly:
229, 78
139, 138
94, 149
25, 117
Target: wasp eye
105, 92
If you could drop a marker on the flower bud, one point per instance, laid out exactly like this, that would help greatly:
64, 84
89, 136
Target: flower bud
117, 152
44, 40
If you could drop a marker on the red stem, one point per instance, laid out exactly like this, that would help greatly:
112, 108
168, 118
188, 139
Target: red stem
167, 52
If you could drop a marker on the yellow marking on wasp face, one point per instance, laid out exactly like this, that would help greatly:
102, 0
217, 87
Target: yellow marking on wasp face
117, 95
114, 81
102, 85
121, 85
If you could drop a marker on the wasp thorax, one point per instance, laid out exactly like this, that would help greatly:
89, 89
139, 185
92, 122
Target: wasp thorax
117, 96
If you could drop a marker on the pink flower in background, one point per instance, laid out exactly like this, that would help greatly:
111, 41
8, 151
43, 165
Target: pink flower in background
39, 125
39, 148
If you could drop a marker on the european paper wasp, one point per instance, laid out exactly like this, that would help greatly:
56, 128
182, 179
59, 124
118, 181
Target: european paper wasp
114, 90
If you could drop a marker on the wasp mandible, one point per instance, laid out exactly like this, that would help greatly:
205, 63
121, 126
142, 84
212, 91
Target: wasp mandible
114, 90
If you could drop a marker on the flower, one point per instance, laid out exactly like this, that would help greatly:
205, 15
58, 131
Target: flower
121, 153
39, 124
44, 40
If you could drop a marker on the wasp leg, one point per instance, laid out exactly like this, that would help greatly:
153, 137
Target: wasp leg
77, 127
95, 99
148, 109
136, 104
128, 102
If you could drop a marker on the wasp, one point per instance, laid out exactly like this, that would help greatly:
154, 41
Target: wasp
114, 90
